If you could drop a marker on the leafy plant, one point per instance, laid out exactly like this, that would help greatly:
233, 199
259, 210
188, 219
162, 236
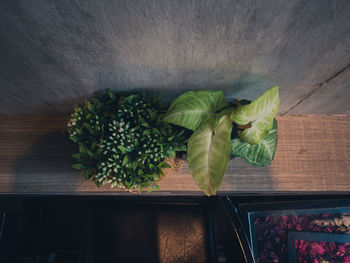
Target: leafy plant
212, 119
191, 108
123, 140
260, 154
209, 152
259, 114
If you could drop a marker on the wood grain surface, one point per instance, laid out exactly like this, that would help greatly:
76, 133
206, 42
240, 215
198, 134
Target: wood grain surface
313, 156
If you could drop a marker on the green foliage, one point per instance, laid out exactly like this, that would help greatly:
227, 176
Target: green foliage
209, 153
210, 116
123, 140
259, 114
190, 109
260, 154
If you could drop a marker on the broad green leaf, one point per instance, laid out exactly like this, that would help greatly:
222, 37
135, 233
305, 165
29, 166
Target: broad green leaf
258, 154
192, 108
209, 152
260, 114
226, 111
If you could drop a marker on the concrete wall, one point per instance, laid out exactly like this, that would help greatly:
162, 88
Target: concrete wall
55, 53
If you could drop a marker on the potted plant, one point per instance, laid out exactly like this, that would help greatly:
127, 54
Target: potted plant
220, 130
127, 140
123, 140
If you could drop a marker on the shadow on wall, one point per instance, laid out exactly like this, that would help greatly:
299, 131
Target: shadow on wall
55, 106
249, 86
246, 86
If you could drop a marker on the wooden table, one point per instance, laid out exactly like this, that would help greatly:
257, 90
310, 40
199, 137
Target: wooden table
313, 156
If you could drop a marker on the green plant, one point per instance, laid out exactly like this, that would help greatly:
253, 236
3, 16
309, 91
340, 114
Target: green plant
123, 140
211, 118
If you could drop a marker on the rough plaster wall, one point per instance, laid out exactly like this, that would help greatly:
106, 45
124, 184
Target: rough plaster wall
55, 53
330, 97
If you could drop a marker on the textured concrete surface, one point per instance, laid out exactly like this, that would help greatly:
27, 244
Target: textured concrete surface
55, 53
329, 97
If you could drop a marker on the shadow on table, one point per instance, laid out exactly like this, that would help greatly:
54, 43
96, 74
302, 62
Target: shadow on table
46, 165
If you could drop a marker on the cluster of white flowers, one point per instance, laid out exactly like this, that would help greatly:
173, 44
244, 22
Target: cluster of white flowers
121, 141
